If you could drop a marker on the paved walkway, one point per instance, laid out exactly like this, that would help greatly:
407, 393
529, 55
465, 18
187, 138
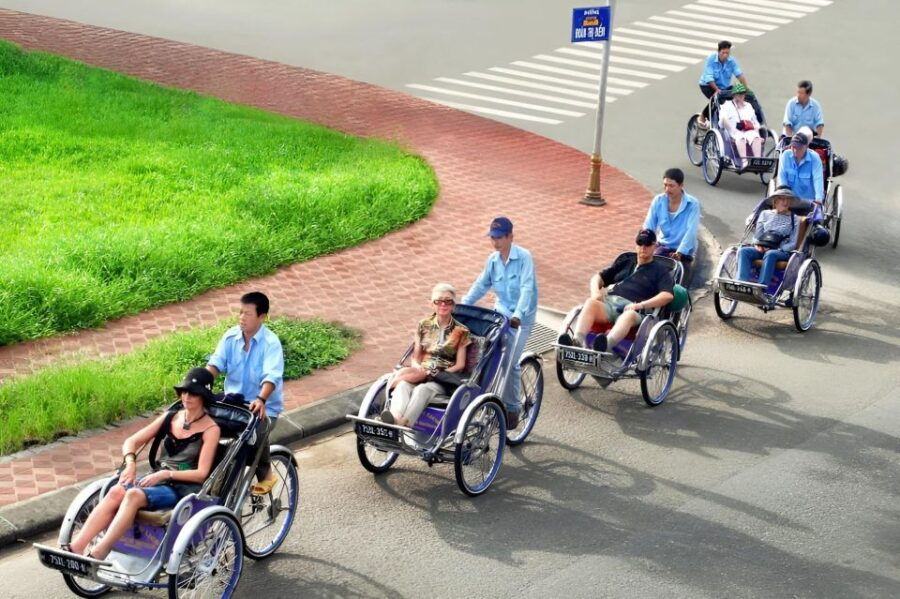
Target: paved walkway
381, 287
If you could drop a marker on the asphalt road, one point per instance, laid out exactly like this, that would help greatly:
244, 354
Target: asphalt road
773, 468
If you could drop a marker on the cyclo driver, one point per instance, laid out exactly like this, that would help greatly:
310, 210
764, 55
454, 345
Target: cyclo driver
801, 170
637, 283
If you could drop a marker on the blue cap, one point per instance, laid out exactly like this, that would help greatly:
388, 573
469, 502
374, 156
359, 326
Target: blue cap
500, 227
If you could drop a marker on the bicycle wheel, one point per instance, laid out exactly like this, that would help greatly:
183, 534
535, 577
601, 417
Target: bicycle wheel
532, 393
267, 519
477, 458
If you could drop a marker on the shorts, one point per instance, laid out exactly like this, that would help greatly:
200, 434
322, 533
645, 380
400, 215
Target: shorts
159, 497
614, 305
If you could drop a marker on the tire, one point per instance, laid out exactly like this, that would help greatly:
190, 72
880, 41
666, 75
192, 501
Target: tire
728, 268
266, 519
532, 393
836, 215
477, 458
805, 299
712, 158
202, 569
681, 327
662, 364
768, 150
569, 379
693, 142
372, 459
84, 587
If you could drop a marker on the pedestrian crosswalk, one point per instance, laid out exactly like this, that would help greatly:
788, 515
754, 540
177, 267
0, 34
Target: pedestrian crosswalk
557, 86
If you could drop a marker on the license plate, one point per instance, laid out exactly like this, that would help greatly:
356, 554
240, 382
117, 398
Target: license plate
761, 162
67, 563
579, 357
738, 288
379, 432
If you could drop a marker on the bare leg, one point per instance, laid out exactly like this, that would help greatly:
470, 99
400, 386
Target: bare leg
134, 500
756, 144
620, 329
741, 145
99, 519
594, 311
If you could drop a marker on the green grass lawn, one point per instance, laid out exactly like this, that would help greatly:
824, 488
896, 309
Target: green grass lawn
118, 195
63, 400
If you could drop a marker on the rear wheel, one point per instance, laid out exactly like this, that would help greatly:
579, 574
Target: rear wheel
84, 587
712, 158
836, 215
211, 564
694, 141
806, 295
266, 519
661, 364
727, 269
532, 393
478, 457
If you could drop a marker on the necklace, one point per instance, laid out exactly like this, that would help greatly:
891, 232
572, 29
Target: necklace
186, 425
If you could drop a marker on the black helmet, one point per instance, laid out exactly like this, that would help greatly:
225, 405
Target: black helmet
819, 236
840, 165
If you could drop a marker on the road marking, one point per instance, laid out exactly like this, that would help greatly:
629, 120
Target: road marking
662, 36
495, 112
736, 13
671, 47
813, 2
778, 6
553, 88
692, 15
753, 9
612, 69
580, 84
618, 48
717, 28
517, 92
683, 31
535, 107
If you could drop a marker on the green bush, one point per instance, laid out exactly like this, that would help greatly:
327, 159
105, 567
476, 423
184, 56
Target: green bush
59, 401
118, 195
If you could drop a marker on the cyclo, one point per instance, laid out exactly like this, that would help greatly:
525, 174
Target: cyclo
650, 352
197, 547
712, 149
467, 427
796, 282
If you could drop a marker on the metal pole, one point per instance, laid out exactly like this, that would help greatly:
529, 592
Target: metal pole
592, 196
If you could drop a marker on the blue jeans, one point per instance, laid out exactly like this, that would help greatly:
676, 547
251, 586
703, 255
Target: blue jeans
513, 382
746, 256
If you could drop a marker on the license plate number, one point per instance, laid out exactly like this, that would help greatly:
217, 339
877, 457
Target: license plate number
760, 162
738, 288
67, 563
379, 432
579, 357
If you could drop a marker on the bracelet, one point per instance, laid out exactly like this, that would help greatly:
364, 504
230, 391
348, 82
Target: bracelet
133, 457
171, 476
261, 398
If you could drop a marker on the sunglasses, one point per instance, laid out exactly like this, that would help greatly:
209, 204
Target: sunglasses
443, 302
646, 245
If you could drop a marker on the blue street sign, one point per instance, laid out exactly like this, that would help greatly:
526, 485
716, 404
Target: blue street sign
590, 24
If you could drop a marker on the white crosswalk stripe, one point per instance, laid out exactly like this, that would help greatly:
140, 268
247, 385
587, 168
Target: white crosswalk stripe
642, 52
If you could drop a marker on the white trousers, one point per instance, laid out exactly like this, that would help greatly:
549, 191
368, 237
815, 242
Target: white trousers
408, 400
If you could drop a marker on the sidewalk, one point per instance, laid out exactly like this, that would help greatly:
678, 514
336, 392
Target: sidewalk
381, 287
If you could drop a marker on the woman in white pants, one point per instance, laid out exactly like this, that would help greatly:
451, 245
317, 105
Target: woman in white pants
738, 118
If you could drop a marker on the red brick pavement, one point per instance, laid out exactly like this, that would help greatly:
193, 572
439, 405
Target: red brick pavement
381, 287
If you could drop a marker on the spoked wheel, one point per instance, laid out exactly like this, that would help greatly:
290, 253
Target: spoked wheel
479, 455
569, 379
837, 212
84, 587
712, 158
656, 379
681, 326
806, 295
694, 141
266, 519
532, 393
728, 269
212, 563
768, 150
373, 459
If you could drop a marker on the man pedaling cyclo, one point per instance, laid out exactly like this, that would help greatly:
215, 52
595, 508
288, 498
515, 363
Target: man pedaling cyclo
634, 282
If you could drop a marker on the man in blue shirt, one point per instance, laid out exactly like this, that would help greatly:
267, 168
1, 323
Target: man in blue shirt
251, 356
509, 271
801, 170
803, 111
718, 70
675, 217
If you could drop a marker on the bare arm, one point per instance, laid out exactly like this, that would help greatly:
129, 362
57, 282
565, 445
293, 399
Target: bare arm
598, 287
460, 364
660, 299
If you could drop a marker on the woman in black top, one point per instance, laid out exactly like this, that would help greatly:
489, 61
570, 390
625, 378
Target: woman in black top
185, 461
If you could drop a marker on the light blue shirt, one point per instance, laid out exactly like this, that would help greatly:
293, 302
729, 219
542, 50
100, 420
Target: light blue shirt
804, 179
513, 283
247, 371
721, 73
677, 231
796, 115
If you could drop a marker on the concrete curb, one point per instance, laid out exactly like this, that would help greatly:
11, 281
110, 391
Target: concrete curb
44, 513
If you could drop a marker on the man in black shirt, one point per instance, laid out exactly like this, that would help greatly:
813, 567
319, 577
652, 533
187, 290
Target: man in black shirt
638, 283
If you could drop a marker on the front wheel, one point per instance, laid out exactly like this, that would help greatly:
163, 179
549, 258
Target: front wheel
211, 564
727, 269
836, 215
373, 459
681, 325
661, 364
84, 587
806, 295
477, 458
532, 393
694, 141
266, 519
712, 158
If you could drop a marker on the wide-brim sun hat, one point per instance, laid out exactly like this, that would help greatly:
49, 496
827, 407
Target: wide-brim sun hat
197, 381
782, 192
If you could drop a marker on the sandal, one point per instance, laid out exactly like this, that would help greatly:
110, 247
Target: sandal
263, 487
